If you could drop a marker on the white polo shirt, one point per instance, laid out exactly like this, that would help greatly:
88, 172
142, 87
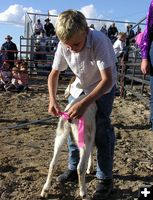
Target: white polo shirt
118, 47
97, 55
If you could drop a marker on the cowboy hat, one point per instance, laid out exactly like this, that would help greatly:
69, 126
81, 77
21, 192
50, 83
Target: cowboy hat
47, 20
8, 37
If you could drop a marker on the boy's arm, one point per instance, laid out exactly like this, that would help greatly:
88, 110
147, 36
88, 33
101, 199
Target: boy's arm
52, 88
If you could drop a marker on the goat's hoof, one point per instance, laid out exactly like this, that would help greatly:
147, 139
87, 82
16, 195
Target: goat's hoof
88, 172
85, 197
44, 193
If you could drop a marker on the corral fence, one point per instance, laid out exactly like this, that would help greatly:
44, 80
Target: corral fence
130, 78
28, 43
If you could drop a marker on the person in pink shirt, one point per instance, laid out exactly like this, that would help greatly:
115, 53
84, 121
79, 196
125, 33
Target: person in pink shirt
23, 78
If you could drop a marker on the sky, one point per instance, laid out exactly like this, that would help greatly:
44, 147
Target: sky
12, 12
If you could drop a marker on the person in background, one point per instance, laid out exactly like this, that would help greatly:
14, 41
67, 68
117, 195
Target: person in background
90, 55
5, 75
146, 47
120, 47
130, 35
112, 32
49, 28
10, 49
42, 40
104, 29
138, 30
13, 85
23, 78
38, 27
92, 26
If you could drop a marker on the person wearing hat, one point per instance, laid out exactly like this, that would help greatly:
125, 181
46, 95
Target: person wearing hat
49, 28
112, 32
9, 48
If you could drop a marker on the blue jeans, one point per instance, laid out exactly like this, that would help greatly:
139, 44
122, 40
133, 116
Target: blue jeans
104, 139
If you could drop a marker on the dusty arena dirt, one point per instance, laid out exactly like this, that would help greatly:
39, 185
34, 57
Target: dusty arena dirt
25, 151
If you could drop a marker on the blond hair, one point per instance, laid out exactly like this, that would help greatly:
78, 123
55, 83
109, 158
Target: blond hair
121, 35
68, 23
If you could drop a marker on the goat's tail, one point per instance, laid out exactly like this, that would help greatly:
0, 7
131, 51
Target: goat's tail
63, 127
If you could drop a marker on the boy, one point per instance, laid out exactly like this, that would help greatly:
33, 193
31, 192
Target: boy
90, 55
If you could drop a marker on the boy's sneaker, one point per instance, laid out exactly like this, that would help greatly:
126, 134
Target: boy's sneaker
103, 189
67, 176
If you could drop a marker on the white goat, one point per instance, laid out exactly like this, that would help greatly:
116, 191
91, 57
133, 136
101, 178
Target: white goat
63, 129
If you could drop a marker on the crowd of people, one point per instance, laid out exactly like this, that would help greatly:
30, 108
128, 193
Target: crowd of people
13, 72
14, 78
45, 40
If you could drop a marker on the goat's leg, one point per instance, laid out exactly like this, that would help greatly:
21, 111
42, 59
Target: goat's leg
82, 166
90, 167
59, 140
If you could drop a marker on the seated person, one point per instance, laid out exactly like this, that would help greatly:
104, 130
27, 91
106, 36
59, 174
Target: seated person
13, 85
23, 78
5, 75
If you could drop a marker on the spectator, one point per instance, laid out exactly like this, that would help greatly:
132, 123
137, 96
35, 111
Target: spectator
3, 57
10, 49
13, 85
120, 47
130, 35
147, 55
38, 27
138, 30
112, 32
92, 26
104, 29
49, 28
23, 78
5, 75
40, 46
90, 55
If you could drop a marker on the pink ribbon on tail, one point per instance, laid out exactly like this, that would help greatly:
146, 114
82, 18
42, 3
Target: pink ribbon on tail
81, 132
80, 126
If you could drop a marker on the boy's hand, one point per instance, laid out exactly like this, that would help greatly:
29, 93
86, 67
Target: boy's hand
77, 110
54, 109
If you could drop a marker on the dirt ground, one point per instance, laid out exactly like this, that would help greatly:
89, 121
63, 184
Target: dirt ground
25, 151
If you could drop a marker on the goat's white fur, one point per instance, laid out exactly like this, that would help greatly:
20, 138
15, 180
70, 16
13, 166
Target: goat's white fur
63, 129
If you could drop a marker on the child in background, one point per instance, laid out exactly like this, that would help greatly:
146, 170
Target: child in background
5, 75
13, 85
23, 77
